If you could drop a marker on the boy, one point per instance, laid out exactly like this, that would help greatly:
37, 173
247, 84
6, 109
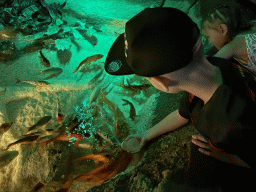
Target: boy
216, 95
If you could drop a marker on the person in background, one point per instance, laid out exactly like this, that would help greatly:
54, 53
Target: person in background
227, 29
215, 97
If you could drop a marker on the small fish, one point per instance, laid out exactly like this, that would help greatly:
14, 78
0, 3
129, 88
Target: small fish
37, 84
85, 146
34, 47
5, 127
132, 109
66, 137
90, 38
51, 70
78, 47
53, 75
96, 78
133, 88
3, 92
62, 190
59, 115
95, 93
40, 123
28, 138
89, 60
104, 137
45, 61
37, 187
6, 157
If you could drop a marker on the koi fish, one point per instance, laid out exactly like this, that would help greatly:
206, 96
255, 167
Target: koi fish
6, 157
41, 122
44, 60
95, 157
28, 138
89, 60
132, 109
66, 137
107, 170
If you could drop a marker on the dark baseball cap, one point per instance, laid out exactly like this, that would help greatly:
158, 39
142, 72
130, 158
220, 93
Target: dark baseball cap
156, 41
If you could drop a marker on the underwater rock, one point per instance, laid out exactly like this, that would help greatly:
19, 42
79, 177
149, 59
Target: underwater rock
64, 56
8, 51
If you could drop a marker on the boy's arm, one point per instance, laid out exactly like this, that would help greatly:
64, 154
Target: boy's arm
169, 123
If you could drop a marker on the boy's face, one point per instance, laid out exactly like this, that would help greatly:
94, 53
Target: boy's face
215, 36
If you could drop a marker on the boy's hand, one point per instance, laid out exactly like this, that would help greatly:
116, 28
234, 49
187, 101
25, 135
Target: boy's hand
206, 149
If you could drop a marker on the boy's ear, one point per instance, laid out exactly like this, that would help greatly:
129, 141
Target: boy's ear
224, 29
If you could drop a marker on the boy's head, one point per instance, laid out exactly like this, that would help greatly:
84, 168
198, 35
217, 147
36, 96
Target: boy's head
221, 24
156, 41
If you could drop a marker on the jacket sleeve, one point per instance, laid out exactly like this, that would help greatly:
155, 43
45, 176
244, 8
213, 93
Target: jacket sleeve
230, 123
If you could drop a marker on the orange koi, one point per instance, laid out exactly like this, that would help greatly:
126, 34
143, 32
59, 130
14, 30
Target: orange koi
66, 137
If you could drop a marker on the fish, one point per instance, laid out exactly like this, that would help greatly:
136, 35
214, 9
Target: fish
104, 137
37, 84
3, 92
96, 78
78, 47
132, 109
66, 137
18, 99
44, 60
51, 70
27, 138
90, 38
133, 88
40, 123
34, 47
53, 75
59, 115
6, 157
85, 146
5, 127
62, 190
72, 13
95, 157
37, 187
110, 104
108, 170
84, 70
95, 93
122, 128
88, 60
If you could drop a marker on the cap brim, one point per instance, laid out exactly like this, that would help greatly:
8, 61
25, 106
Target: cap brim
115, 63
